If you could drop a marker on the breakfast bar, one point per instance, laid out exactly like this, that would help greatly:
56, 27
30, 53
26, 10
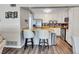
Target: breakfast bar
52, 30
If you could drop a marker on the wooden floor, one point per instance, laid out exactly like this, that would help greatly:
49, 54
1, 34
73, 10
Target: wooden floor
61, 48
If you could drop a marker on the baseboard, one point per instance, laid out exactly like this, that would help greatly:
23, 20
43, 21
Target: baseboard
68, 43
65, 41
19, 46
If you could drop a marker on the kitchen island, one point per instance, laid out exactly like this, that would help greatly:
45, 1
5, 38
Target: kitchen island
51, 29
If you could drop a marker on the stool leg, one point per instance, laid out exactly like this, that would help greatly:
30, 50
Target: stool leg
25, 44
39, 42
43, 44
47, 43
32, 42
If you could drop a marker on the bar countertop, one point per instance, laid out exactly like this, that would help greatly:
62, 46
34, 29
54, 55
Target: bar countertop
44, 27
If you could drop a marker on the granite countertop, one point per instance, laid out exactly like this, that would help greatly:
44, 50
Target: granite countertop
43, 27
36, 28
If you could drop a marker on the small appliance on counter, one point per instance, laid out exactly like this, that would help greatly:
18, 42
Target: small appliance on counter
37, 23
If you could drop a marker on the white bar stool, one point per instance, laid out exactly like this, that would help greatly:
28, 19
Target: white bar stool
43, 37
28, 35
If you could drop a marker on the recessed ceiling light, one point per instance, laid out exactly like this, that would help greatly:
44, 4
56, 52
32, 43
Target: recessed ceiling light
47, 10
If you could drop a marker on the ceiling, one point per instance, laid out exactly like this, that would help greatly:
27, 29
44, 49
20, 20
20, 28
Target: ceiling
52, 10
49, 5
39, 8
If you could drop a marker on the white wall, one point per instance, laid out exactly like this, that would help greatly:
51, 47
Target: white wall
73, 24
69, 31
57, 14
76, 21
75, 41
24, 15
10, 28
75, 36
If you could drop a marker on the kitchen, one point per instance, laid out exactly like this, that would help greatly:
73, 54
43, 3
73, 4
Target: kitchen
44, 18
34, 18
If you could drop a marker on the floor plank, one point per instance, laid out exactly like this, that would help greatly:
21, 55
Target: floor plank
61, 48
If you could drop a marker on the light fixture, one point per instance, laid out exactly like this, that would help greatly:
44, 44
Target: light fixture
47, 10
13, 5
